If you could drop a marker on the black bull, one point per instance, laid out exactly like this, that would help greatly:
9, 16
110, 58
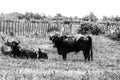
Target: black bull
64, 46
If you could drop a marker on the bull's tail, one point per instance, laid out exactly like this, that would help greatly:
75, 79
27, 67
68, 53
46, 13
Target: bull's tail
90, 42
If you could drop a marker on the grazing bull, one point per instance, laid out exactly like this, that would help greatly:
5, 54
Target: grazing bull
65, 45
42, 55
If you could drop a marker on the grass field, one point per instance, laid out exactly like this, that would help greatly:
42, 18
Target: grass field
106, 64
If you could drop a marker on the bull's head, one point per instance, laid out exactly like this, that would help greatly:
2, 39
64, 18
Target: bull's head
15, 44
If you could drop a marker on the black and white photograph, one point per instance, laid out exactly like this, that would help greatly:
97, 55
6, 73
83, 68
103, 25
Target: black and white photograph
60, 40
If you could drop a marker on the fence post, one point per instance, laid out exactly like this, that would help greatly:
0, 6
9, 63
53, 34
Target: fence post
35, 27
23, 28
6, 27
18, 28
12, 28
30, 27
27, 28
49, 26
70, 28
0, 27
42, 28
39, 28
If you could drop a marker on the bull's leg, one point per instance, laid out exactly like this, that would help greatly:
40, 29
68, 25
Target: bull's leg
64, 56
87, 53
91, 55
85, 56
88, 56
14, 55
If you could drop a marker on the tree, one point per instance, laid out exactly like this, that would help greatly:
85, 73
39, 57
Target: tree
37, 16
105, 18
59, 15
28, 15
21, 16
117, 18
91, 17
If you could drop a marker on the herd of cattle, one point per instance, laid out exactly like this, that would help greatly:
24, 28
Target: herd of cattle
63, 43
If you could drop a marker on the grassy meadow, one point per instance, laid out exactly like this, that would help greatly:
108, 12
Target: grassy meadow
105, 66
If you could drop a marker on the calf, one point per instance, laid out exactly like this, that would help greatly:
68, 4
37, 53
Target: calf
42, 55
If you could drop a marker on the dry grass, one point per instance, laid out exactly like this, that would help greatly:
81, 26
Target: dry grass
106, 64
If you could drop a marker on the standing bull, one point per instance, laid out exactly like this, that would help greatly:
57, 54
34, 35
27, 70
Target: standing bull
65, 45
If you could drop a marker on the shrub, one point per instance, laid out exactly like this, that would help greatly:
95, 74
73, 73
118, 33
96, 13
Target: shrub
115, 35
88, 28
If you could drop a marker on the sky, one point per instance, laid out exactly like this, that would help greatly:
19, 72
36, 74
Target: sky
68, 8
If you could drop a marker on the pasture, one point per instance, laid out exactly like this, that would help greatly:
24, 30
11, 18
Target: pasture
105, 66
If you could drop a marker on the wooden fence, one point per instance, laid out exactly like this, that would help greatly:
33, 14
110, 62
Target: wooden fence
25, 28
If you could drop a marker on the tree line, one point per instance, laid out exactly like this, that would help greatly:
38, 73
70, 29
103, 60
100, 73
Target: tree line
30, 16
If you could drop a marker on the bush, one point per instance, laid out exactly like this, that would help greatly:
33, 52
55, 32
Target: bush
88, 28
115, 35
